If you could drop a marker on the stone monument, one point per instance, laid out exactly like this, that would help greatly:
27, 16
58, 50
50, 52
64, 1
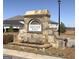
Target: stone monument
35, 28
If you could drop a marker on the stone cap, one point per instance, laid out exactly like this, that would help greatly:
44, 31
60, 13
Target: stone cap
37, 12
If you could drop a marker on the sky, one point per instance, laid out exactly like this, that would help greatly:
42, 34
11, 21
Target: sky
13, 8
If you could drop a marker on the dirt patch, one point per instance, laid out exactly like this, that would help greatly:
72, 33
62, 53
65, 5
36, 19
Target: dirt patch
69, 53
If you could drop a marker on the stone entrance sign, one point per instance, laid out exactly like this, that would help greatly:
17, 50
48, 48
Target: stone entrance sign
35, 27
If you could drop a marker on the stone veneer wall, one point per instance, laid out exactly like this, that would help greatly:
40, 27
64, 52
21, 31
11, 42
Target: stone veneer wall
35, 37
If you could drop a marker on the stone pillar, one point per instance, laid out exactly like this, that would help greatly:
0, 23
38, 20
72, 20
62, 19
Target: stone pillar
45, 31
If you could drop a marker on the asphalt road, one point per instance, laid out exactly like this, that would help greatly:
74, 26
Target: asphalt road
25, 55
12, 57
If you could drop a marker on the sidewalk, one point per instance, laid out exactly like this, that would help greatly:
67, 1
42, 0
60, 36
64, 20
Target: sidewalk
27, 55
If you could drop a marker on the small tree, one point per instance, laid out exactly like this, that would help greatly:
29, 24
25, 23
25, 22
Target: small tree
10, 29
62, 27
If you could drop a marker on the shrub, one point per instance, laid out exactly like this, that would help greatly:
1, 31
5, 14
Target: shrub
10, 29
62, 28
7, 38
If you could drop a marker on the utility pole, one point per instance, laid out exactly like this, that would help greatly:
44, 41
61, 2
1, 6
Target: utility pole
59, 16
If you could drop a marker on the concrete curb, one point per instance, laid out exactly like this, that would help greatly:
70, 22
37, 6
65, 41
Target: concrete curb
28, 55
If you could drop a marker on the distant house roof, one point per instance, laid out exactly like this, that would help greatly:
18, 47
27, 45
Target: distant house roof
16, 18
53, 22
12, 22
18, 21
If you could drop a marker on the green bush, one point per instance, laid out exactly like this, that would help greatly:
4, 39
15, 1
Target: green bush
7, 38
62, 28
10, 29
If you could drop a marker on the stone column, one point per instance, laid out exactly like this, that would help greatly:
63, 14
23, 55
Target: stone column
45, 29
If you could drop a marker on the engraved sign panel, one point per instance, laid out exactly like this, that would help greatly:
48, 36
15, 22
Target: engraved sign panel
35, 27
